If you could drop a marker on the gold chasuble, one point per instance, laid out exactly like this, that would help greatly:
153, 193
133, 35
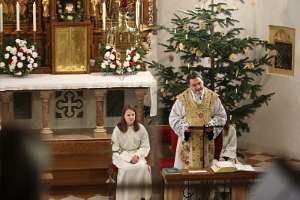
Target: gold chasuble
198, 151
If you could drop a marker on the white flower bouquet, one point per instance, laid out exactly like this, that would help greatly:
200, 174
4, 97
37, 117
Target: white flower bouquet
19, 58
111, 63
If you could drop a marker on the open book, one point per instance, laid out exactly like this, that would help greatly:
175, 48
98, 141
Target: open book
227, 166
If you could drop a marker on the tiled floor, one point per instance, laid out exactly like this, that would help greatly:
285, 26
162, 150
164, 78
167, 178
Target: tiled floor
265, 160
79, 197
80, 193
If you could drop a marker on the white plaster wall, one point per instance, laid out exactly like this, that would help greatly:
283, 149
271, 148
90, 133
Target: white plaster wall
275, 128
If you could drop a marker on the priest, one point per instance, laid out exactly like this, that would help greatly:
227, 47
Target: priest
196, 106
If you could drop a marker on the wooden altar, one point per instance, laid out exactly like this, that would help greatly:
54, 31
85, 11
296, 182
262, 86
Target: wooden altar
46, 84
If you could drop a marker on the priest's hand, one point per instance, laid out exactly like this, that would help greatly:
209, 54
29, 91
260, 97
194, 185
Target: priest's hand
134, 159
209, 132
187, 134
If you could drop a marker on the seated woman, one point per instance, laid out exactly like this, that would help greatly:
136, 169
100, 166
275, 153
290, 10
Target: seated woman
130, 146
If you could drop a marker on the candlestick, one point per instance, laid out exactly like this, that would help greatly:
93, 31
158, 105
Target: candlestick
103, 15
34, 16
1, 18
137, 13
18, 16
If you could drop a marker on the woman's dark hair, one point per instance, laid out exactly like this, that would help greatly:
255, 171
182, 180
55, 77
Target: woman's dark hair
122, 125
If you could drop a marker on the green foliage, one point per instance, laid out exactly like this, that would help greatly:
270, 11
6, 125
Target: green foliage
235, 62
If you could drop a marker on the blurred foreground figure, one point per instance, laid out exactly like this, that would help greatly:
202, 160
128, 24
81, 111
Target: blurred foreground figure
22, 157
278, 183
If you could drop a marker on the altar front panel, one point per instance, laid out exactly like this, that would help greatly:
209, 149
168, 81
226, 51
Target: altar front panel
87, 120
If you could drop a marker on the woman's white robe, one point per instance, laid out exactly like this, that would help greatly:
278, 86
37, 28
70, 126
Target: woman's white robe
133, 180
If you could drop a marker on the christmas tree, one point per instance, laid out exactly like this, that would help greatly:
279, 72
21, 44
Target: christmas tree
208, 41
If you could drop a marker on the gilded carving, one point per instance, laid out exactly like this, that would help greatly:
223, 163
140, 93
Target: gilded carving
9, 9
94, 4
45, 8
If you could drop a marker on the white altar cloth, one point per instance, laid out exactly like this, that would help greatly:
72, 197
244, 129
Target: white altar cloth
82, 81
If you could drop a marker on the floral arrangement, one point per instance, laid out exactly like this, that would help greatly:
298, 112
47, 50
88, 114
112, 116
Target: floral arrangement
19, 58
123, 6
111, 62
123, 3
67, 12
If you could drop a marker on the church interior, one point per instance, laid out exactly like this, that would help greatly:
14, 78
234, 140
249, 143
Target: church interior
70, 68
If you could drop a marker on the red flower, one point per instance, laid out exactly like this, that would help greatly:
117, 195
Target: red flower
19, 49
132, 63
123, 3
133, 53
10, 60
29, 54
114, 53
114, 62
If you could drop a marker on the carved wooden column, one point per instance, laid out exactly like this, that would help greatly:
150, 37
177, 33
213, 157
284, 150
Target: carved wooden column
140, 93
53, 14
45, 95
100, 130
5, 111
87, 10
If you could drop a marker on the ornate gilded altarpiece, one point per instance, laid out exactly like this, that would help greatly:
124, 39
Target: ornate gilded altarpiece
66, 45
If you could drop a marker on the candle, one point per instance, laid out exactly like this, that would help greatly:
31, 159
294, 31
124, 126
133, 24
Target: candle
18, 16
1, 18
104, 15
137, 13
34, 16
142, 13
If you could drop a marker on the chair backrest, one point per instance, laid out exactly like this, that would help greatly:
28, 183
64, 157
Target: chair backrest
174, 139
169, 137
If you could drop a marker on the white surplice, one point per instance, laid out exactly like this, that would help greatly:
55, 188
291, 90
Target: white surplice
229, 143
133, 180
179, 124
